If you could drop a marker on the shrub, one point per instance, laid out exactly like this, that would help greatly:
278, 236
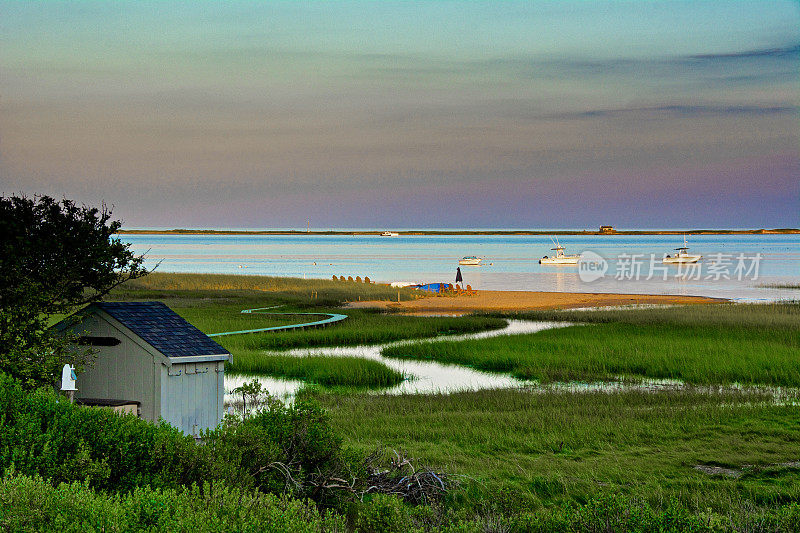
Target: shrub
382, 513
43, 434
31, 504
284, 448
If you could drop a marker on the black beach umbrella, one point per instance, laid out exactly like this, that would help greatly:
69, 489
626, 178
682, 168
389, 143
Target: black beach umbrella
458, 275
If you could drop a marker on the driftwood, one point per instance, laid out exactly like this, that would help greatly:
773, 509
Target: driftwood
401, 479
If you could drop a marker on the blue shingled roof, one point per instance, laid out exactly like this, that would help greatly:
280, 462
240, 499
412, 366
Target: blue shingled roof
162, 328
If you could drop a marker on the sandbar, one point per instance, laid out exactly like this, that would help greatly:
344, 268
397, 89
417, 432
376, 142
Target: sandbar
527, 301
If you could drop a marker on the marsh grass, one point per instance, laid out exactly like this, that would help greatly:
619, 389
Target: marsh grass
756, 316
747, 344
307, 292
327, 371
553, 447
213, 303
362, 327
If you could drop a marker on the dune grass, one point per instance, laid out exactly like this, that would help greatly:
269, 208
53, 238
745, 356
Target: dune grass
554, 447
320, 370
747, 344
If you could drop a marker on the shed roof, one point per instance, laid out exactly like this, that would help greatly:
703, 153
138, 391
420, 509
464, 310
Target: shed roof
162, 328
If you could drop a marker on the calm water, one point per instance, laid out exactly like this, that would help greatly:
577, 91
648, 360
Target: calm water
422, 376
509, 262
426, 377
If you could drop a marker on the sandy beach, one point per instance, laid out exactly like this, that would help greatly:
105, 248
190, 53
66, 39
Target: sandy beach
526, 301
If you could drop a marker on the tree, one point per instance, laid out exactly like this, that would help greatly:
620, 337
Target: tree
54, 257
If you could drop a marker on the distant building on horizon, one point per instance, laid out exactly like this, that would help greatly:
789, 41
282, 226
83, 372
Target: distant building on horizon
607, 230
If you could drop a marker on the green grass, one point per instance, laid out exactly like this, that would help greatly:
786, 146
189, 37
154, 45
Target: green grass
754, 316
748, 344
303, 292
213, 303
320, 370
552, 447
361, 327
216, 310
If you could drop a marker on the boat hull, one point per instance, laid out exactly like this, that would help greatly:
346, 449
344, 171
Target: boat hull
566, 260
469, 262
680, 260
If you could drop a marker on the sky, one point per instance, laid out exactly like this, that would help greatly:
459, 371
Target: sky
639, 114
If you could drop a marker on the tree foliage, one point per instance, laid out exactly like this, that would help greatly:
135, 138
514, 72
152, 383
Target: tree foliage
54, 256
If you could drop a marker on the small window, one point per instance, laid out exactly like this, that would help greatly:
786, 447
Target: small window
98, 341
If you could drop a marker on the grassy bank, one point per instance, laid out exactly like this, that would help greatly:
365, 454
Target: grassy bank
523, 450
752, 316
748, 344
279, 290
328, 371
213, 303
361, 327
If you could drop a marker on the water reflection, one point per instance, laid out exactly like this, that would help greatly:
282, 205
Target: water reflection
424, 376
430, 377
510, 261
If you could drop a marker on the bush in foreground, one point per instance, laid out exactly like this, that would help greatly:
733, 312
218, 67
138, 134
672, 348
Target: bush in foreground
30, 504
42, 434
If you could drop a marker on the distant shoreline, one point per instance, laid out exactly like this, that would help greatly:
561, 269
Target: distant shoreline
779, 231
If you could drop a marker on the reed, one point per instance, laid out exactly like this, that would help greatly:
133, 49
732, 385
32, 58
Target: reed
320, 370
753, 316
362, 327
747, 344
525, 449
284, 290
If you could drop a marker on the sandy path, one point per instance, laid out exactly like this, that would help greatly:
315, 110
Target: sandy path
525, 300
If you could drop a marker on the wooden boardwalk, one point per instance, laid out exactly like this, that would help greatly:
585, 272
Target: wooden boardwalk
330, 319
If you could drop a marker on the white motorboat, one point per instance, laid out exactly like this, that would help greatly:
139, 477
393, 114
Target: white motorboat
390, 234
560, 258
683, 255
470, 260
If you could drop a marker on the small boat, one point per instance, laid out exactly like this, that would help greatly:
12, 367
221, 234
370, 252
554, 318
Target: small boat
560, 258
390, 234
683, 256
470, 260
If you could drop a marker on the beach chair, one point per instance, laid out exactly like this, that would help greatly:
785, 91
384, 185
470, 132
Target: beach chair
349, 278
358, 279
366, 279
335, 278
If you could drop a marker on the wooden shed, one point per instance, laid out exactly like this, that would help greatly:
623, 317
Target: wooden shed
147, 354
